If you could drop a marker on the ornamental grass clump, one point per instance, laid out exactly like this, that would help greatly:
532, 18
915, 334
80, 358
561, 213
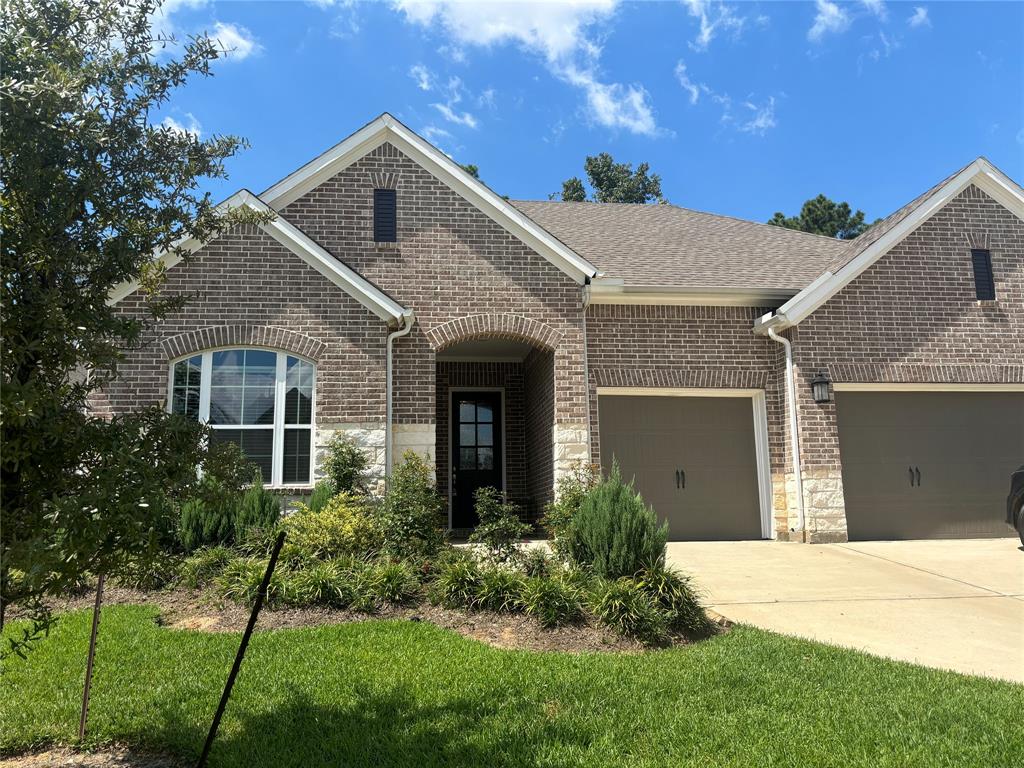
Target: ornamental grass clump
241, 578
615, 533
457, 584
624, 606
201, 568
500, 590
393, 582
677, 597
551, 601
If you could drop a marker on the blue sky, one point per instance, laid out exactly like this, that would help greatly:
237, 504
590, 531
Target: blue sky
743, 108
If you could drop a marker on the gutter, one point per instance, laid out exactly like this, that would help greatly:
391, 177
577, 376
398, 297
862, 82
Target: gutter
794, 427
407, 319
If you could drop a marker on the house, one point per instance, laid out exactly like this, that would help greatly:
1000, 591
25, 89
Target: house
398, 300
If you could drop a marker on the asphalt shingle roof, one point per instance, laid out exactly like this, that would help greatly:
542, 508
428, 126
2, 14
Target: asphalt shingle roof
672, 247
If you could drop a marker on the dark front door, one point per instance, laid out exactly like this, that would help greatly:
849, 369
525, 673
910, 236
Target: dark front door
476, 451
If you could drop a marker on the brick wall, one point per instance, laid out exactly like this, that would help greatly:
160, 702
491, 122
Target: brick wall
540, 403
251, 290
912, 317
451, 261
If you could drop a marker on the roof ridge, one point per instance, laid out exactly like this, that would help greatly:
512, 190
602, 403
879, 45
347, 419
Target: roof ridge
835, 240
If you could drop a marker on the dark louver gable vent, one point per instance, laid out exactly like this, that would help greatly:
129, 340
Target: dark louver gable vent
385, 216
984, 283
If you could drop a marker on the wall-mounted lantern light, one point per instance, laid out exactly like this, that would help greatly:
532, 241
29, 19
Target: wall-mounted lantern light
819, 388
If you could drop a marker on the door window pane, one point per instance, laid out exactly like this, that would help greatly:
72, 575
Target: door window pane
485, 458
467, 411
467, 458
484, 412
467, 435
485, 434
296, 456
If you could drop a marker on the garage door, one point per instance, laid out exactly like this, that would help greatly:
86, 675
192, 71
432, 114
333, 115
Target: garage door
928, 465
692, 458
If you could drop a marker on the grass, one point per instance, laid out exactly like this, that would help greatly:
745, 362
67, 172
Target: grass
389, 693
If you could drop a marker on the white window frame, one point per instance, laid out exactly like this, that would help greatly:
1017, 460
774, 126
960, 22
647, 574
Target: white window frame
279, 427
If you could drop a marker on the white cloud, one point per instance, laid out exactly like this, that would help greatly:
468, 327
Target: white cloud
830, 18
191, 126
877, 8
684, 80
236, 42
919, 18
555, 31
713, 17
763, 118
433, 134
459, 118
424, 77
486, 98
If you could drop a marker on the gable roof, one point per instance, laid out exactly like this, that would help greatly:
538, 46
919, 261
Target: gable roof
387, 129
299, 243
660, 247
865, 250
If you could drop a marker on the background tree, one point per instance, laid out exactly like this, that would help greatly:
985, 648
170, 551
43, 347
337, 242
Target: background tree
471, 169
823, 216
613, 182
90, 188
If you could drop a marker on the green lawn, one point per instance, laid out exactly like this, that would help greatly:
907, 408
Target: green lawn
387, 693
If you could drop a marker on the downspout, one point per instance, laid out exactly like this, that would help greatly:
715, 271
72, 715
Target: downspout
794, 429
403, 330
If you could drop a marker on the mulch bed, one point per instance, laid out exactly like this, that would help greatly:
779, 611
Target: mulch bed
203, 612
111, 757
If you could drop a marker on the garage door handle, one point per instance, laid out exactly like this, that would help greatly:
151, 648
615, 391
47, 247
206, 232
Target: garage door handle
917, 472
911, 471
682, 477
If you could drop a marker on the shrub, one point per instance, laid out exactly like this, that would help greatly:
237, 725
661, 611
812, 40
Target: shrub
345, 526
675, 594
552, 602
559, 514
207, 521
536, 562
410, 517
258, 509
626, 607
344, 464
148, 576
321, 583
615, 533
240, 581
204, 566
457, 585
500, 590
500, 530
393, 582
323, 492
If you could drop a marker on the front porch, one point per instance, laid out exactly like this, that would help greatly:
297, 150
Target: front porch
495, 421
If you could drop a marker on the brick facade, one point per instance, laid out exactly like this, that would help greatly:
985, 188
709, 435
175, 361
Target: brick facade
911, 317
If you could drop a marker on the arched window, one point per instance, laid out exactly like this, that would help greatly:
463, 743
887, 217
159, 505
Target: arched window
259, 399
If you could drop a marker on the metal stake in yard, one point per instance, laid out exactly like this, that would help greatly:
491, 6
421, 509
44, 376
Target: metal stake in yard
260, 597
92, 656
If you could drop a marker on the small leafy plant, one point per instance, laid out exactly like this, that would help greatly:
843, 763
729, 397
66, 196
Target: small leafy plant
345, 464
553, 602
345, 526
500, 530
500, 590
258, 509
411, 520
457, 585
323, 492
571, 490
536, 562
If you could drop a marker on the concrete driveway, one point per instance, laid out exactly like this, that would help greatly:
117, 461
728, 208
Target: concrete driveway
955, 605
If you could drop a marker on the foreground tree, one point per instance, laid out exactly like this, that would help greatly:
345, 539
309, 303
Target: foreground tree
614, 182
822, 216
90, 188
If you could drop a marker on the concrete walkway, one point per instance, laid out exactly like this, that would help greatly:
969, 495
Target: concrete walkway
955, 605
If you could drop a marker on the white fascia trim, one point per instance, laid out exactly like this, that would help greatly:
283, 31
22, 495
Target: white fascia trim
617, 292
442, 167
923, 387
981, 173
678, 392
371, 297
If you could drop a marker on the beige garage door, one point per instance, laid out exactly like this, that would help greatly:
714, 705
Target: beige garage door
928, 465
692, 458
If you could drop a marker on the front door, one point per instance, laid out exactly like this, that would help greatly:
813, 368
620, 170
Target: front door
476, 451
